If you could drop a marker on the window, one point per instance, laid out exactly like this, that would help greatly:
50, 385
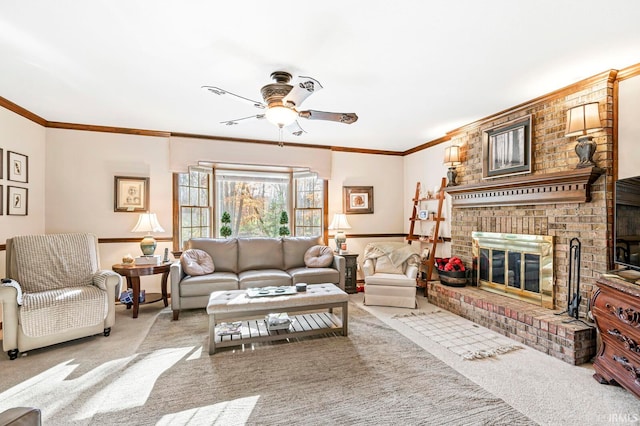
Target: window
194, 205
253, 199
309, 202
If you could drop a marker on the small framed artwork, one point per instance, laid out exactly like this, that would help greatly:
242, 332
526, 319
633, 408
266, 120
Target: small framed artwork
131, 194
423, 214
17, 167
17, 201
506, 150
357, 199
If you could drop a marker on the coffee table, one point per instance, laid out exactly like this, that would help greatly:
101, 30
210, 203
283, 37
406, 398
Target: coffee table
317, 303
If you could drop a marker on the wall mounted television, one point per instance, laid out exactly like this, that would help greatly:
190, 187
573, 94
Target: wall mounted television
627, 223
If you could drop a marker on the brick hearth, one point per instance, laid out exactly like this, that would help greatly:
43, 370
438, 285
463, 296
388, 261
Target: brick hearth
533, 326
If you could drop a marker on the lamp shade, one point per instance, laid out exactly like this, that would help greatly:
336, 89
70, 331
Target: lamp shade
452, 155
280, 115
147, 222
583, 119
339, 222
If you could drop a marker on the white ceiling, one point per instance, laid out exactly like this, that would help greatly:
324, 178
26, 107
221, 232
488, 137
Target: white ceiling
411, 70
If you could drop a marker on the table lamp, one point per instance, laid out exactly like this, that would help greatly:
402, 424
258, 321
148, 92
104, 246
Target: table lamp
452, 159
338, 223
582, 120
148, 222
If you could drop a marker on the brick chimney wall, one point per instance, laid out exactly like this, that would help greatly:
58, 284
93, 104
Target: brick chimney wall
551, 152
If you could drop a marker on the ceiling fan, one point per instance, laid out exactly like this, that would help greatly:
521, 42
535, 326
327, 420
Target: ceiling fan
282, 101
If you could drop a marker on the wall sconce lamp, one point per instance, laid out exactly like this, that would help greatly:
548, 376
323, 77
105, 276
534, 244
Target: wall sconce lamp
452, 159
148, 222
338, 223
581, 121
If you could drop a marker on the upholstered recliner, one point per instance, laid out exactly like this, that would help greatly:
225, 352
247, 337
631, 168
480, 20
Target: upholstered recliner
390, 271
55, 292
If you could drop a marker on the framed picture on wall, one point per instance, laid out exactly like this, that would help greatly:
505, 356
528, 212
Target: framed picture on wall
131, 194
17, 167
357, 199
506, 150
17, 201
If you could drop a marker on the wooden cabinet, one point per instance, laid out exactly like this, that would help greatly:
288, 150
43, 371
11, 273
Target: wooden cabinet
351, 272
616, 311
435, 218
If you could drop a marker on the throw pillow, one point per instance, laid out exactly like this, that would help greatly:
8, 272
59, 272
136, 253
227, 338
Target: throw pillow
196, 262
384, 265
318, 257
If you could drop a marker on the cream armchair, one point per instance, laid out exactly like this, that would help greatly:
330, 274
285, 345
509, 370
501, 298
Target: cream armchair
55, 291
390, 271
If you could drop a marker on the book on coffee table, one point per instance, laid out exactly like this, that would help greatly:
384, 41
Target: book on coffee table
271, 291
229, 328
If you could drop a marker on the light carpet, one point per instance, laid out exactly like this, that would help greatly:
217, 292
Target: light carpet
373, 376
461, 336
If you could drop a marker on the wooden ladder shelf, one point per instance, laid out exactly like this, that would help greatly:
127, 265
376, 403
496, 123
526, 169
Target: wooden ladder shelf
434, 238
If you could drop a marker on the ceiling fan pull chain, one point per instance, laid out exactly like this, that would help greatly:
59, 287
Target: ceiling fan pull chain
280, 141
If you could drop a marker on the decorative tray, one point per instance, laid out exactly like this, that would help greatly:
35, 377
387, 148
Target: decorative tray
271, 291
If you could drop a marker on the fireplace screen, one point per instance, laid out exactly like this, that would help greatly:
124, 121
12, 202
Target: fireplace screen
515, 265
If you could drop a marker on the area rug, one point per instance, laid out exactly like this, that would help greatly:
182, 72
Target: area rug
459, 335
373, 376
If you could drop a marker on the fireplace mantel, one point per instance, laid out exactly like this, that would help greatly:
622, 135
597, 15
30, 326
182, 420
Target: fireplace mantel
572, 186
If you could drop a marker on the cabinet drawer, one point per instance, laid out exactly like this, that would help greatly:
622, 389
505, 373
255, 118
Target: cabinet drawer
618, 308
621, 337
624, 368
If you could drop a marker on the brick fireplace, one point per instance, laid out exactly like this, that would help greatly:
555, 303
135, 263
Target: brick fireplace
554, 199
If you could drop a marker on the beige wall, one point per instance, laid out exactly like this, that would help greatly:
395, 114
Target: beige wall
80, 172
385, 174
80, 195
426, 167
28, 138
629, 128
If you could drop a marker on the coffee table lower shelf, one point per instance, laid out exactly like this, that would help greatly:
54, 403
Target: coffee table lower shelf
255, 330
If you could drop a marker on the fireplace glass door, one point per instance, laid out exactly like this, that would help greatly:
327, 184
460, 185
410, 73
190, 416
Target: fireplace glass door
518, 266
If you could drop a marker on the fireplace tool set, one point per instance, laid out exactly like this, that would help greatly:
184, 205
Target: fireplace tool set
573, 291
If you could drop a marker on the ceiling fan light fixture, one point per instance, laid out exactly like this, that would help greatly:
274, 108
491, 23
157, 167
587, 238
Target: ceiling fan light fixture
281, 116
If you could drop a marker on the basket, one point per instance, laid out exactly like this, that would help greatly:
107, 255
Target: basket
453, 278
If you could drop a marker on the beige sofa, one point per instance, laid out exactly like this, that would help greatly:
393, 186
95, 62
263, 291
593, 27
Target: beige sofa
242, 263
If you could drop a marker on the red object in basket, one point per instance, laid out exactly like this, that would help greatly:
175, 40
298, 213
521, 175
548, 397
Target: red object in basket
449, 264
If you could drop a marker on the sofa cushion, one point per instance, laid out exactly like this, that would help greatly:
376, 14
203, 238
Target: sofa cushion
202, 285
318, 257
196, 262
294, 249
263, 278
314, 275
223, 251
64, 260
259, 253
384, 265
389, 280
58, 310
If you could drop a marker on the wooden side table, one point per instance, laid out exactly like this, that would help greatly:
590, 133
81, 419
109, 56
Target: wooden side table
133, 274
351, 272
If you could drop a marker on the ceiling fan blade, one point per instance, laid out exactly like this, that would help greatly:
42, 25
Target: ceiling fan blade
340, 117
233, 122
304, 87
294, 128
219, 91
